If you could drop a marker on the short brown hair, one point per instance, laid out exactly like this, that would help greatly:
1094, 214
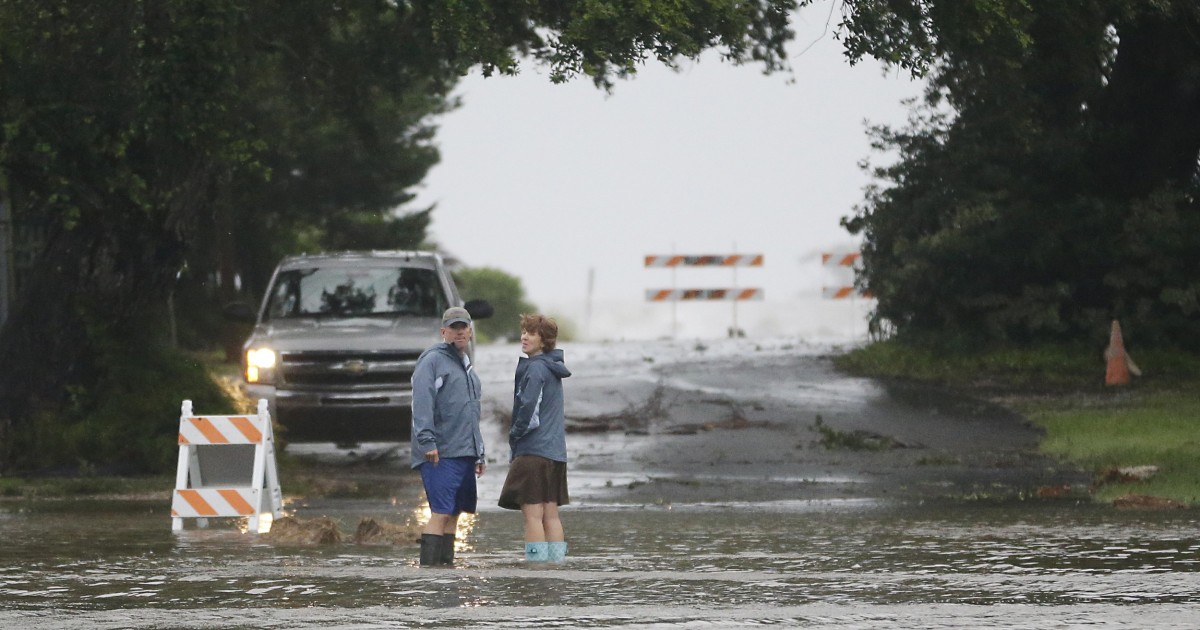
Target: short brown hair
542, 326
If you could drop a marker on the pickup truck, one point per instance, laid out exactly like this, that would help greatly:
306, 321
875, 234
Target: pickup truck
337, 336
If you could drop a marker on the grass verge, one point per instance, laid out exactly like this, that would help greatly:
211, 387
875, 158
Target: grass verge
1151, 429
75, 487
1152, 422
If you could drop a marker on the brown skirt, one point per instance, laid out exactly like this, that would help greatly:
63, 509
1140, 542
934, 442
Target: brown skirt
534, 479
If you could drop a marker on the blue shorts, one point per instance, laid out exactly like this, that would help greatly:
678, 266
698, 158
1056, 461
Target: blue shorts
450, 485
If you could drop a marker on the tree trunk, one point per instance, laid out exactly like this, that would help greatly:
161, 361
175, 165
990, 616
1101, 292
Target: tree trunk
231, 334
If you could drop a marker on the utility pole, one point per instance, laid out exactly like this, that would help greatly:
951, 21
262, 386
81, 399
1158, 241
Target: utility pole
733, 332
587, 313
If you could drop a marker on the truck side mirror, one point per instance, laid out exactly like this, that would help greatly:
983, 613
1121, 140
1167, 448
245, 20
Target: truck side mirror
479, 309
239, 312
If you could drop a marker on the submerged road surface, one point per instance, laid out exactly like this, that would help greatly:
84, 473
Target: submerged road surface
729, 484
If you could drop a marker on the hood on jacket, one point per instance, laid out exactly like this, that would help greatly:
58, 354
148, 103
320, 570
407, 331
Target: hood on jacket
554, 362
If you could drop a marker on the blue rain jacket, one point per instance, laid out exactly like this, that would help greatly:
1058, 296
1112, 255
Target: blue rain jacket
445, 406
538, 424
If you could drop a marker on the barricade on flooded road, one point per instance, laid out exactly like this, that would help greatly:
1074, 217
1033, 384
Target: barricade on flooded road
226, 469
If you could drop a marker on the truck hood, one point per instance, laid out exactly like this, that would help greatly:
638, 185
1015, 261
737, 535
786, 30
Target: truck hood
359, 334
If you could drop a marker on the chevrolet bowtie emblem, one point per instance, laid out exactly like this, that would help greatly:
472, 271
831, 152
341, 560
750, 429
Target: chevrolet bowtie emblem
355, 367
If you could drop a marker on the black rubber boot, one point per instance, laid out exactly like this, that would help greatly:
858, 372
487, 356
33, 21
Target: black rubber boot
431, 550
448, 549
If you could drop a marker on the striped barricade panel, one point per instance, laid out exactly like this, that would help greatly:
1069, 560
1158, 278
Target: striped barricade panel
840, 293
840, 260
214, 502
707, 260
221, 430
681, 295
205, 437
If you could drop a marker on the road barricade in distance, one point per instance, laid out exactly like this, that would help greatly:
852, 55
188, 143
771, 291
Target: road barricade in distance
683, 295
843, 263
706, 260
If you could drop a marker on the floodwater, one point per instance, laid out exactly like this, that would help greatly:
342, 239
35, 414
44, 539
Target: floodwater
845, 564
714, 526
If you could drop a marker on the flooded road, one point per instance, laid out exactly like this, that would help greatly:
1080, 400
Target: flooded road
684, 521
855, 564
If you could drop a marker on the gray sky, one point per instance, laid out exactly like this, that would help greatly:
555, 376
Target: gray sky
547, 182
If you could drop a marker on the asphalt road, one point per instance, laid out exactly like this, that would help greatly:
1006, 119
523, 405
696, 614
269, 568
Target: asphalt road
754, 420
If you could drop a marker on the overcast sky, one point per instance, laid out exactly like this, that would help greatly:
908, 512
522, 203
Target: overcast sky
550, 182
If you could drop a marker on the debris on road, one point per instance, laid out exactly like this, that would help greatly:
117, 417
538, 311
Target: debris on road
290, 530
372, 532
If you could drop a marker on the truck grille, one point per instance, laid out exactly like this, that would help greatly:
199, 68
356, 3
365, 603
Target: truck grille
347, 369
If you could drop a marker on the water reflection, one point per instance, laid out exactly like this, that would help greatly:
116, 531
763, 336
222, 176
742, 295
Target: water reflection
466, 524
692, 566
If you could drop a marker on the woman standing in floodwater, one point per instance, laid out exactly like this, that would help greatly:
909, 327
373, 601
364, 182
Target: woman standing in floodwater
537, 478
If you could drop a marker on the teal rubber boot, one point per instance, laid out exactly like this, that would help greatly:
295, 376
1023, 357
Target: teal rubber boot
558, 551
537, 551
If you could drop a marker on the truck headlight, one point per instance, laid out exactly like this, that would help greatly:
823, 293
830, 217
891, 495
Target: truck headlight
260, 365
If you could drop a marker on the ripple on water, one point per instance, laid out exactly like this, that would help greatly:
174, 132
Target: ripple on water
808, 564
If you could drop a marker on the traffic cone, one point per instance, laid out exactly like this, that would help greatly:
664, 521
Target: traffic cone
1118, 362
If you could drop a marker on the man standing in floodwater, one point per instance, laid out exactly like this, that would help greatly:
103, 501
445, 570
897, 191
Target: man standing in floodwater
447, 446
537, 479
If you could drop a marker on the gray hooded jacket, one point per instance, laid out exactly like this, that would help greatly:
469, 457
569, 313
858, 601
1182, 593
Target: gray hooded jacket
538, 424
445, 406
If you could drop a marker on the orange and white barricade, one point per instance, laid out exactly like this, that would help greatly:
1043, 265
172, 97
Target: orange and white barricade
708, 260
843, 292
674, 295
845, 259
684, 295
226, 469
844, 265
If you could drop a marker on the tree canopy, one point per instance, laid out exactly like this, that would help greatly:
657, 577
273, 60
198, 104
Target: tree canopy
506, 295
168, 152
1047, 181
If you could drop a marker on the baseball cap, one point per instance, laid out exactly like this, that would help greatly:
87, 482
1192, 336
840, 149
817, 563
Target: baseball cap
455, 314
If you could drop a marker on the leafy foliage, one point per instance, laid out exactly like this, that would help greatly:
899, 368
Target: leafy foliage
506, 295
169, 151
123, 424
113, 123
605, 39
1032, 200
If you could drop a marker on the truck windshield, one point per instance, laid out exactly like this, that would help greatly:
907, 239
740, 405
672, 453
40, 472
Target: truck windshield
356, 292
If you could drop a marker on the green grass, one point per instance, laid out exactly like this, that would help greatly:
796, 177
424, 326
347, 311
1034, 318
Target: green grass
1042, 368
30, 488
1050, 368
1159, 428
1154, 421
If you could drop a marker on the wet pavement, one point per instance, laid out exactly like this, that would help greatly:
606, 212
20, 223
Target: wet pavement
682, 520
